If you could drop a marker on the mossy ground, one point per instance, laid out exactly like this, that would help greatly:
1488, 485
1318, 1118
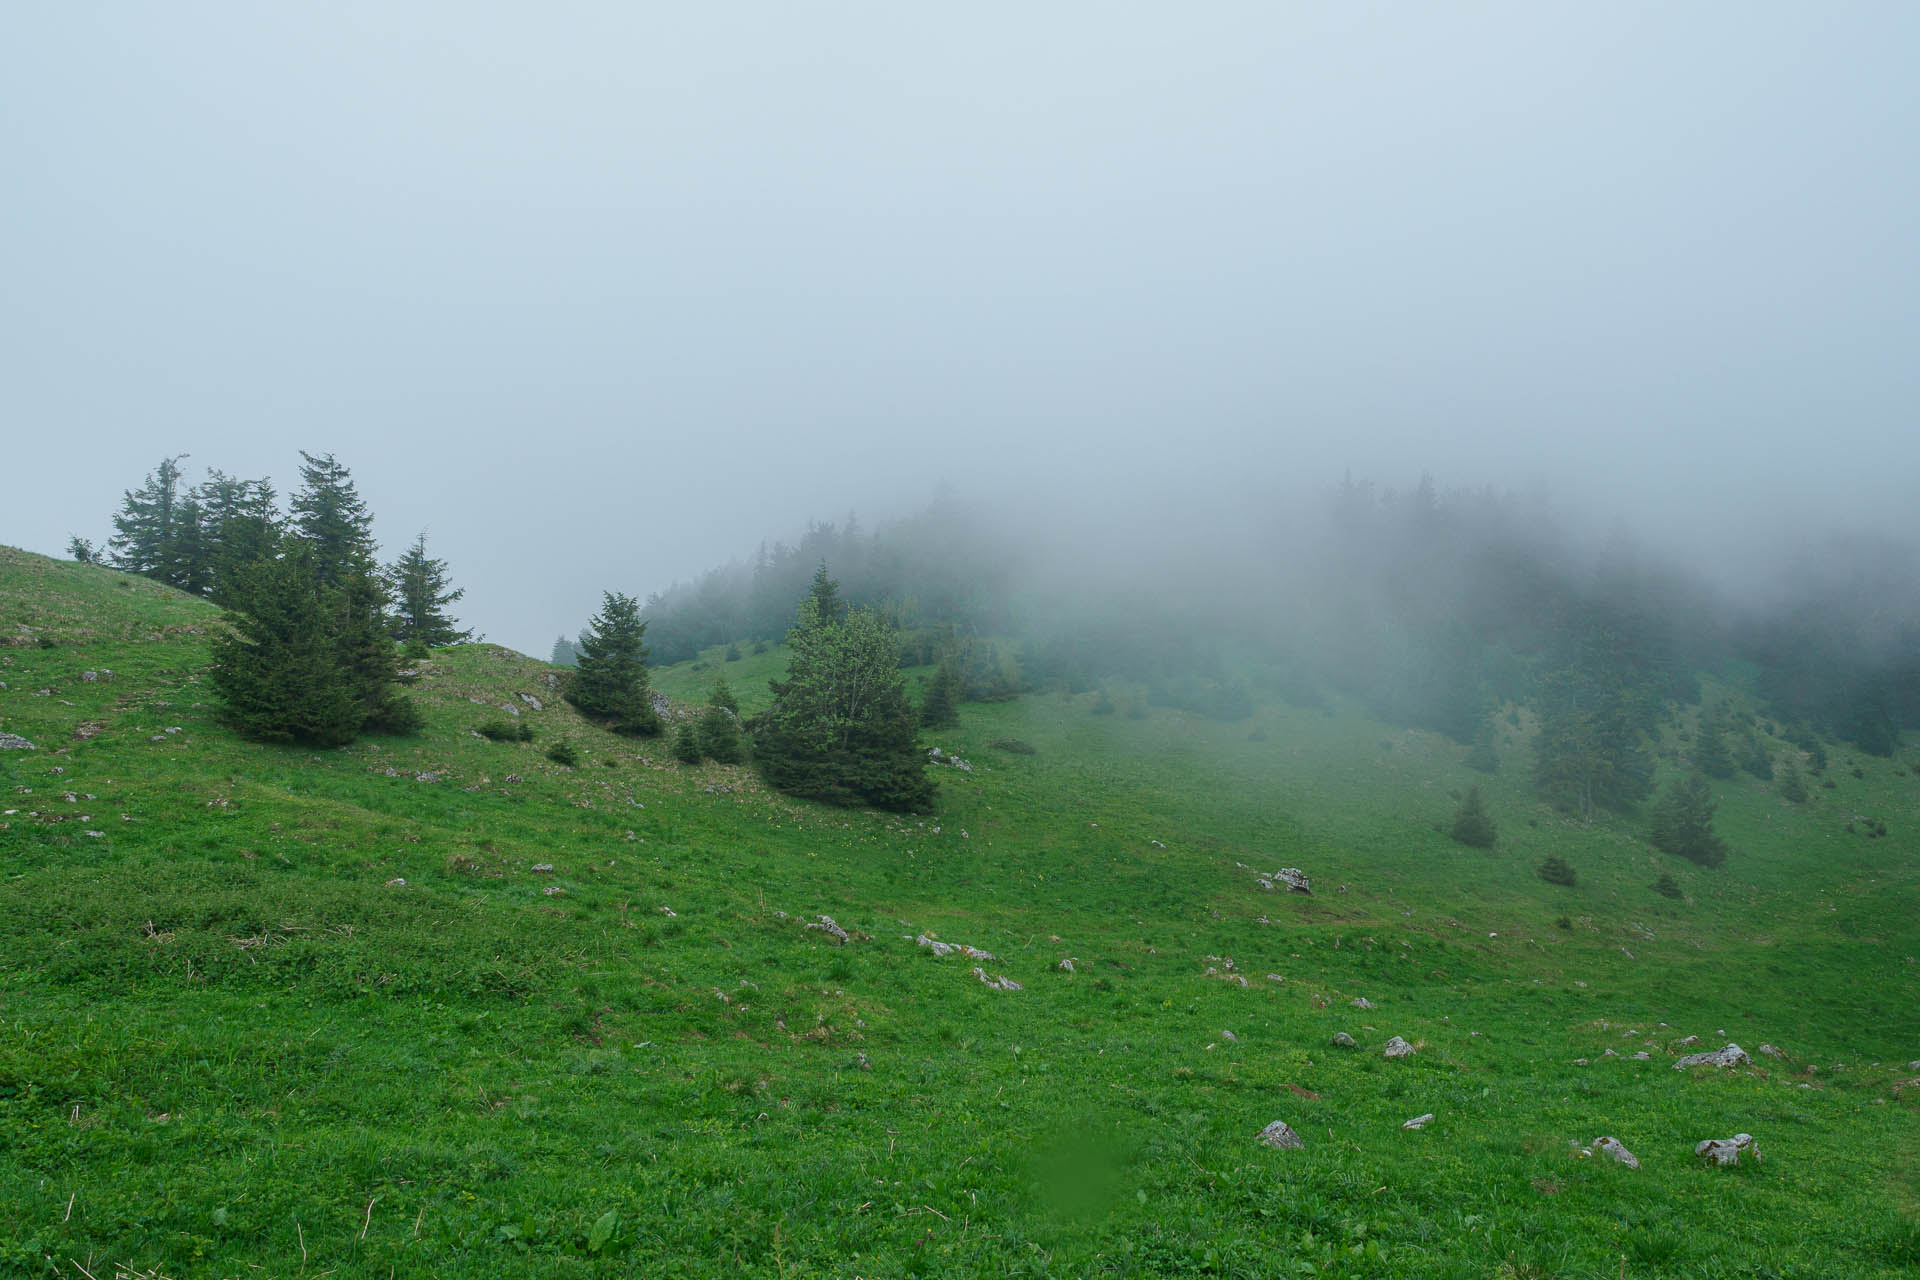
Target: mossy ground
231, 1043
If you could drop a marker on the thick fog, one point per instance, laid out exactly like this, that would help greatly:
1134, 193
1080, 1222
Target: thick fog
603, 295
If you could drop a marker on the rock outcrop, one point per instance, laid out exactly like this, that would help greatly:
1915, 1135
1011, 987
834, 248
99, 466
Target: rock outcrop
1280, 1136
1726, 1151
1728, 1055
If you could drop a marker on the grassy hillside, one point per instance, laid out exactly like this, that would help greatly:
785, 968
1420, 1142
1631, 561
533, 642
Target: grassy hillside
440, 1006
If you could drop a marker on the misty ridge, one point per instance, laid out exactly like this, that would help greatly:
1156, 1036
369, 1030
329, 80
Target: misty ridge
1432, 606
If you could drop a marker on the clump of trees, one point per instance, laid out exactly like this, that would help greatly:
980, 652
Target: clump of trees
1557, 870
310, 657
840, 728
610, 681
1683, 823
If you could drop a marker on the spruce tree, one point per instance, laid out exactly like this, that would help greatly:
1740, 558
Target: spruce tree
147, 525
239, 526
610, 682
369, 662
565, 653
939, 709
719, 726
841, 728
1472, 825
278, 670
1710, 754
329, 514
686, 744
82, 550
420, 595
1482, 756
1683, 823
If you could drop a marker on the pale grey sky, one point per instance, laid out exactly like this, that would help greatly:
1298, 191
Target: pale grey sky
603, 294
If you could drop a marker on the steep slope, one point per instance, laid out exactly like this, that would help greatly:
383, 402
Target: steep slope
441, 1005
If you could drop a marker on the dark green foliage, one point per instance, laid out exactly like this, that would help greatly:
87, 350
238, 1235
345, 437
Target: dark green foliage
940, 709
420, 595
1472, 825
564, 752
840, 728
147, 528
825, 594
1793, 788
733, 653
719, 735
1556, 870
1710, 754
280, 672
610, 682
1012, 746
1683, 823
686, 744
565, 653
1102, 704
722, 696
1589, 753
500, 729
1666, 886
82, 550
236, 525
330, 516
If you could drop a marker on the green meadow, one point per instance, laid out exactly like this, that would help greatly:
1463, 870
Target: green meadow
440, 1006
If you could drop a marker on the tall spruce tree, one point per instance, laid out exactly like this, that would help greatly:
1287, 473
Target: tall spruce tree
1683, 823
840, 728
610, 682
239, 526
565, 653
420, 596
146, 529
1590, 752
940, 708
719, 726
278, 670
329, 514
1472, 825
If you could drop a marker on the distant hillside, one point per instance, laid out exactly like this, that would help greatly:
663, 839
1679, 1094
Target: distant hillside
441, 1005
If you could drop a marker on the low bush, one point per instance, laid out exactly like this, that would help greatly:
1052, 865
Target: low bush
506, 731
1555, 870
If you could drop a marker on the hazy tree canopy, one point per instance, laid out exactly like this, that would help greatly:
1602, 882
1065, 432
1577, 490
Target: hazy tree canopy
1590, 751
421, 597
840, 728
610, 681
329, 514
305, 662
1683, 823
146, 529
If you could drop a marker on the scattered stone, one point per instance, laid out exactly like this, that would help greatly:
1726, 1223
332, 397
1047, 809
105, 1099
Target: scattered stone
514, 777
997, 983
426, 777
14, 742
89, 676
975, 953
510, 709
1773, 1051
1361, 1002
934, 945
1065, 965
1642, 1056
1618, 1150
1229, 1037
860, 1061
543, 866
533, 702
553, 891
1689, 1040
1398, 1048
1344, 1041
1729, 1055
1280, 1136
1419, 1122
1726, 1151
668, 912
1579, 1062
398, 882
826, 925
1290, 878
938, 756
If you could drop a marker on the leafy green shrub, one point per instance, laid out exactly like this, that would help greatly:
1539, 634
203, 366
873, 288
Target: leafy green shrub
1555, 870
502, 730
1012, 746
1683, 823
1666, 886
564, 752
